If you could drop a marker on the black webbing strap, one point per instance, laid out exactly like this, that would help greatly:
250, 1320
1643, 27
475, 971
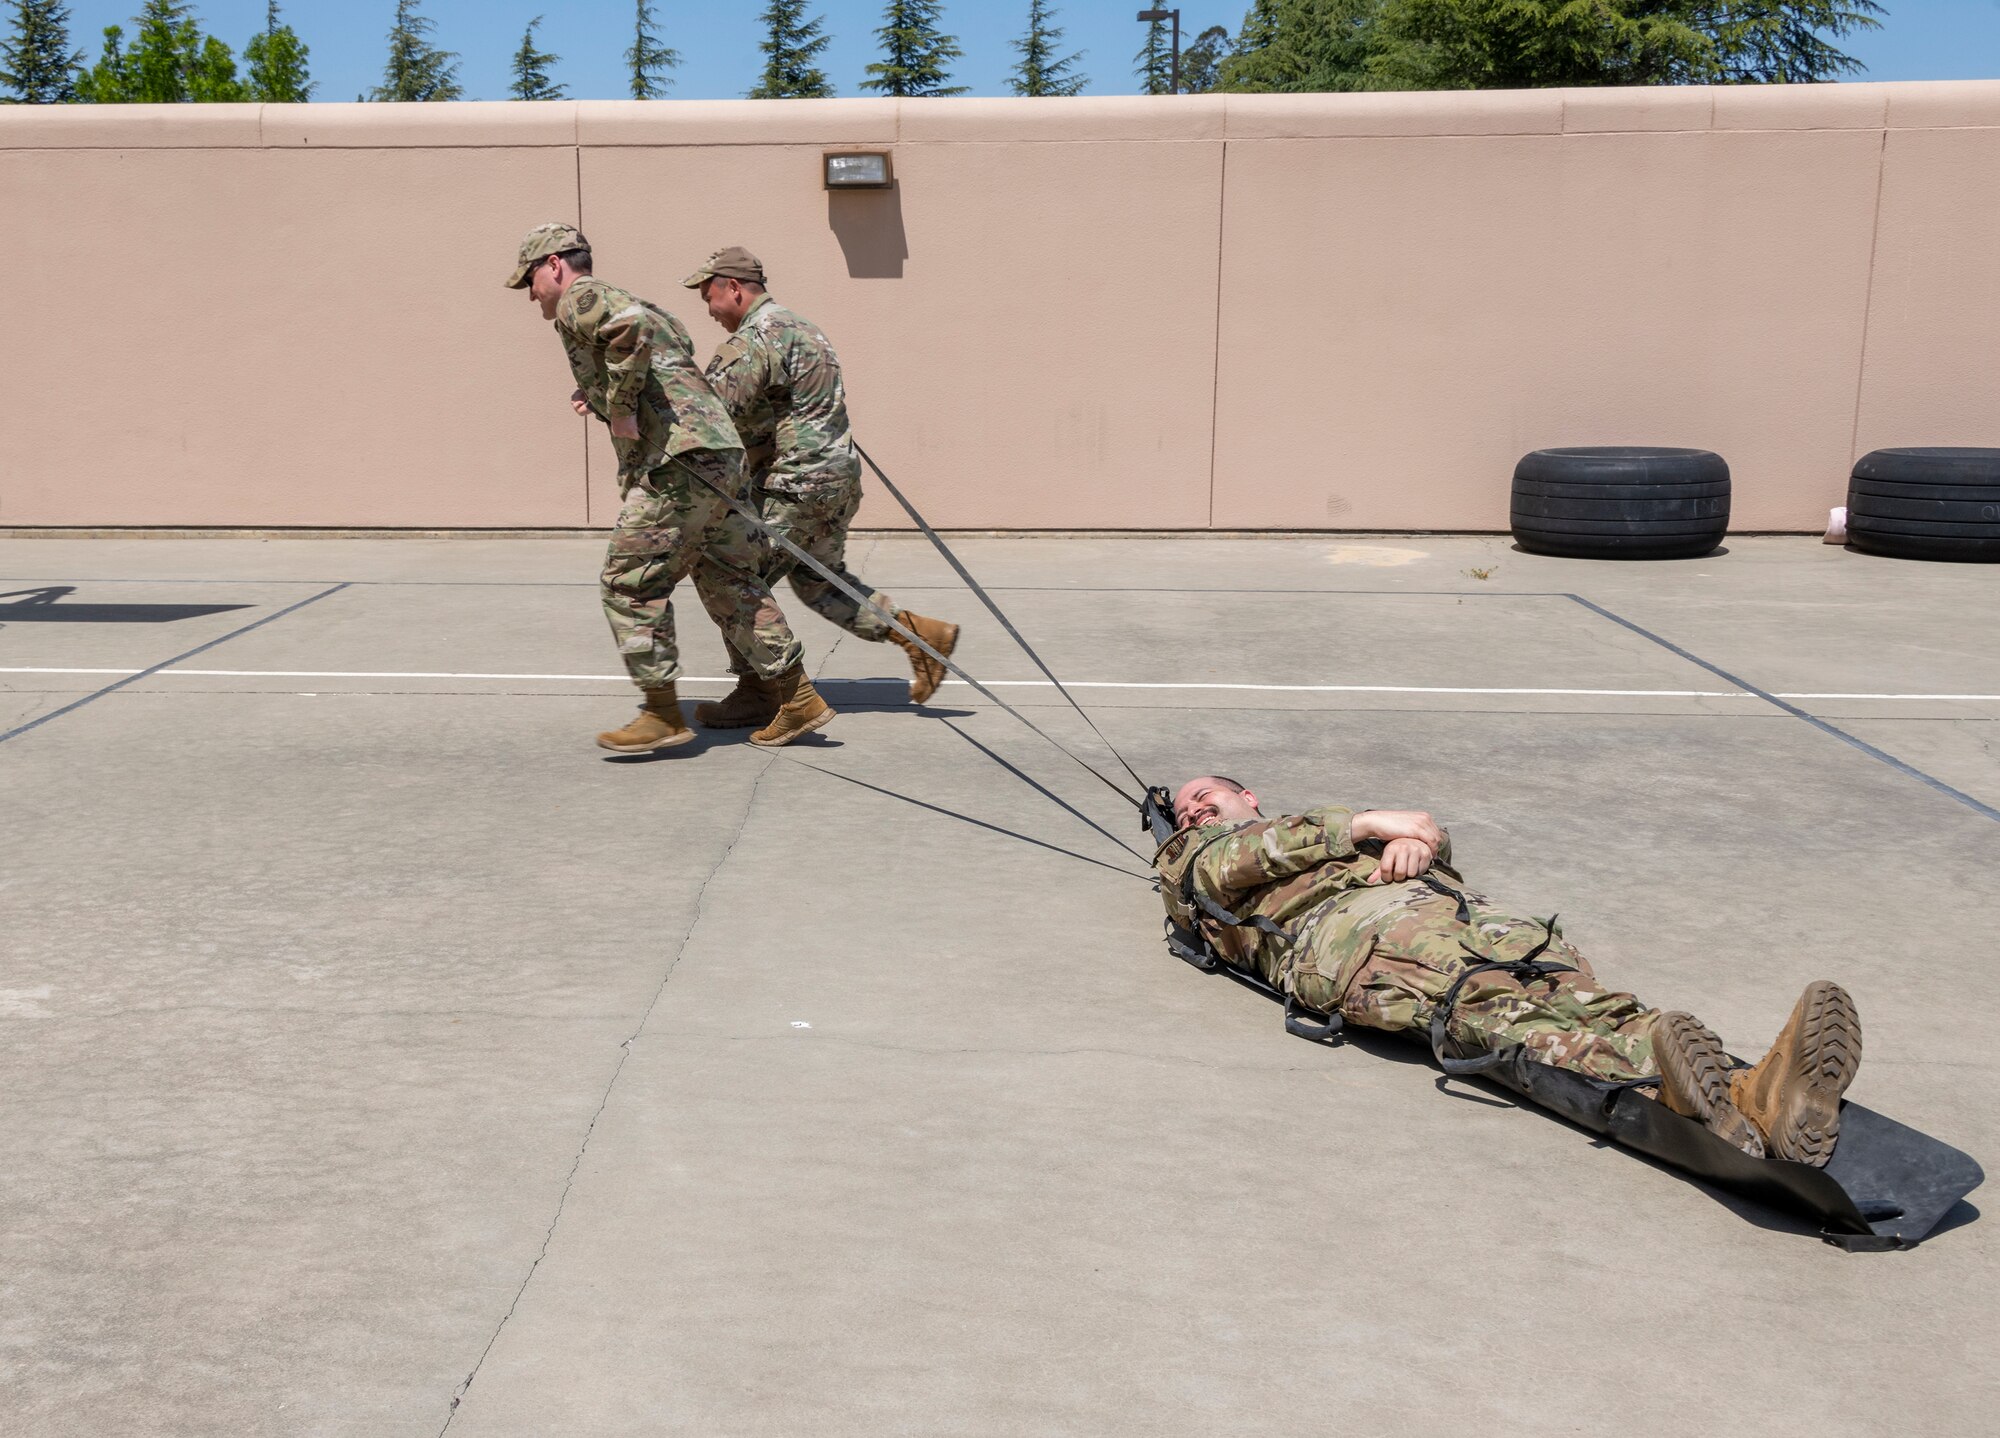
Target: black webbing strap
1525, 970
1429, 876
994, 609
752, 517
1195, 898
1191, 947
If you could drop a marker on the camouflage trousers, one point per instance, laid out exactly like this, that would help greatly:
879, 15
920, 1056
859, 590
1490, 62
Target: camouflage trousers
1389, 959
673, 525
816, 521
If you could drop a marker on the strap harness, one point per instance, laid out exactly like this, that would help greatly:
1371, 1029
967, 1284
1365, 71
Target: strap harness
1192, 946
1156, 813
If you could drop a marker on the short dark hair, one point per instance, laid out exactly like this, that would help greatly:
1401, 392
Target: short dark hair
578, 260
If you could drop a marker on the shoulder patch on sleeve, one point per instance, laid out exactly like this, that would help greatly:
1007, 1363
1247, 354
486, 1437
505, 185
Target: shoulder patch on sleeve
583, 303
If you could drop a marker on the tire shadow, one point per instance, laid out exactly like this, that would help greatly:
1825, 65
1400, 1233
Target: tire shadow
1718, 552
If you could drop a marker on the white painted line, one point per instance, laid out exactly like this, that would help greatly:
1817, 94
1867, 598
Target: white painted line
1027, 684
1378, 689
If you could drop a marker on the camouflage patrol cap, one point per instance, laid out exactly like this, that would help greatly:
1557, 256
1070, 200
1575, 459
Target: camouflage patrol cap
554, 238
734, 263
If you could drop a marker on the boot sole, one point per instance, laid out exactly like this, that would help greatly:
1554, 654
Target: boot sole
672, 741
1828, 1056
1693, 1060
818, 721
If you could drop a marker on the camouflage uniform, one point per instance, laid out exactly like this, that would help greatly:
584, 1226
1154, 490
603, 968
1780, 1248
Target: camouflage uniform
781, 380
631, 357
1383, 955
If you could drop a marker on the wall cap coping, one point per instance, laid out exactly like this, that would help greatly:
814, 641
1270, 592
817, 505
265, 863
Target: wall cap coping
1910, 104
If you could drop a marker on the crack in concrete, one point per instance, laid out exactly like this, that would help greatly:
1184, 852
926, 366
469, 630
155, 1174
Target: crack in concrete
624, 1053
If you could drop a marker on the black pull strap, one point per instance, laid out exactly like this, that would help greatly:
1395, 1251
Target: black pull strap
756, 520
994, 609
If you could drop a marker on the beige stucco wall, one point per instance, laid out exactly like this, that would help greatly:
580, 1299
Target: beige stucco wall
1233, 312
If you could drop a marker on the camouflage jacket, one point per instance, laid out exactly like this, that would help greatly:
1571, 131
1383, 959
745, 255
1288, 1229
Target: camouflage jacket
1303, 872
631, 357
781, 380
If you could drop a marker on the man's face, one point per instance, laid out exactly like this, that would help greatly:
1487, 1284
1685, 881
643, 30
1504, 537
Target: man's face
546, 283
1209, 800
726, 300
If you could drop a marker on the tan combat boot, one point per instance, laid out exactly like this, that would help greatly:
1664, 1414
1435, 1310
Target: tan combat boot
940, 636
751, 704
1694, 1079
800, 710
1793, 1092
658, 726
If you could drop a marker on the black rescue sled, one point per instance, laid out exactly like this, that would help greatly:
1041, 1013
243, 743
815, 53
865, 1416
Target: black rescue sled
1886, 1187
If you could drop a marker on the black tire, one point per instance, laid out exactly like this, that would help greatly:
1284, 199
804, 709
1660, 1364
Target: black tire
1621, 502
1979, 467
1886, 489
1926, 504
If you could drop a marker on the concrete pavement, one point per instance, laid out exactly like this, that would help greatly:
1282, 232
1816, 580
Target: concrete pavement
367, 1031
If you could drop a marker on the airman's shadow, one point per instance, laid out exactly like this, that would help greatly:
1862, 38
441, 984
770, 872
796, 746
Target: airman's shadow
707, 739
45, 606
889, 695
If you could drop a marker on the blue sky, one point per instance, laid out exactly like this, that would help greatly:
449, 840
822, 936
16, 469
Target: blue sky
1920, 39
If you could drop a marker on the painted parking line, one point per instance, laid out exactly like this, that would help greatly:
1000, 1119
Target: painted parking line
135, 675
1247, 688
1782, 702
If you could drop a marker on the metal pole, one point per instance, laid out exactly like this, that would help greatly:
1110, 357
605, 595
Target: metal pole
1177, 52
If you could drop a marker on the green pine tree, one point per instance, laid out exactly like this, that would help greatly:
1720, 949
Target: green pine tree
531, 70
1154, 64
915, 52
1768, 42
210, 69
165, 49
1302, 46
1517, 44
169, 62
649, 60
790, 46
1201, 62
40, 68
1040, 70
1523, 44
109, 81
277, 59
416, 69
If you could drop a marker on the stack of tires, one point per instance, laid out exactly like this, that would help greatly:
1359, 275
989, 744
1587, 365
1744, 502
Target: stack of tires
1926, 504
1621, 503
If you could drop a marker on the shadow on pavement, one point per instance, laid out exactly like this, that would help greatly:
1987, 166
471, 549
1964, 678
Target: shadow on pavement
44, 606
